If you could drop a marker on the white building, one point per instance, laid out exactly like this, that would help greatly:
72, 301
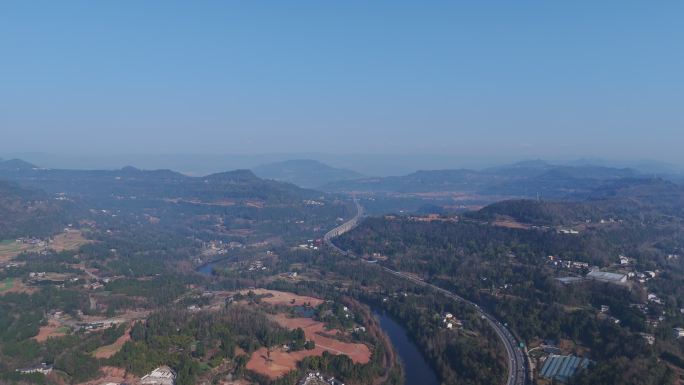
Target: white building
43, 368
163, 375
605, 276
679, 332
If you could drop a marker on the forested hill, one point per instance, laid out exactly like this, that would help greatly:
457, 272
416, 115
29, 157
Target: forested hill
625, 199
524, 179
28, 212
527, 262
158, 184
15, 164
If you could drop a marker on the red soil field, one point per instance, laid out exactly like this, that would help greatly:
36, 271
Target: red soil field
50, 330
284, 298
281, 362
114, 375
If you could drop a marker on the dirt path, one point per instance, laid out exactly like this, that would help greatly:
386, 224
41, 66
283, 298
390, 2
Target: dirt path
109, 350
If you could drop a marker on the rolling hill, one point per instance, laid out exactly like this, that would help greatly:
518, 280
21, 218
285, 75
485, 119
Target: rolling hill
524, 179
26, 212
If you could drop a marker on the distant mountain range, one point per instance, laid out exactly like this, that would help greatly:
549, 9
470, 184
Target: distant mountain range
293, 180
305, 172
523, 179
154, 184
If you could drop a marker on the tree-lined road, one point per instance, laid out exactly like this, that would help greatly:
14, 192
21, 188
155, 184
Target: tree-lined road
517, 374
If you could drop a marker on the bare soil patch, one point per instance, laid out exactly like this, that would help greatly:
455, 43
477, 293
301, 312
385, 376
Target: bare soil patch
68, 240
282, 361
285, 298
111, 374
52, 329
109, 350
510, 224
15, 285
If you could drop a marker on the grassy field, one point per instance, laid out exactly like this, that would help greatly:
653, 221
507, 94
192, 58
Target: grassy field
64, 241
6, 284
13, 285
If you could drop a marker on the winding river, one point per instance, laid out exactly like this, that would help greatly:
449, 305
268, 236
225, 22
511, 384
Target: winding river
417, 370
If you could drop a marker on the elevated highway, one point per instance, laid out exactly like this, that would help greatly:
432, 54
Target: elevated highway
345, 227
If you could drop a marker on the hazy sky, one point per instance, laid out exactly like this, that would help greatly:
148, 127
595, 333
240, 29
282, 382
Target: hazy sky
518, 78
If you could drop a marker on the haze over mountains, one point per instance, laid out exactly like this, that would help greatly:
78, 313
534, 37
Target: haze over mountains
293, 181
535, 178
305, 172
154, 184
525, 179
369, 164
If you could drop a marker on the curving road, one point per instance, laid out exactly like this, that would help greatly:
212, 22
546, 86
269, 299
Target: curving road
343, 228
517, 374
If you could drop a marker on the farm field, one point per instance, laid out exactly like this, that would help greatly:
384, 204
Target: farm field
283, 298
52, 329
10, 248
13, 285
281, 361
6, 285
70, 240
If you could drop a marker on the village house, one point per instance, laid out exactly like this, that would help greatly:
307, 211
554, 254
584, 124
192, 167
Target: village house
43, 368
163, 375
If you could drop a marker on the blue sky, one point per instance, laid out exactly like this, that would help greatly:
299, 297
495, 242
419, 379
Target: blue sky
478, 78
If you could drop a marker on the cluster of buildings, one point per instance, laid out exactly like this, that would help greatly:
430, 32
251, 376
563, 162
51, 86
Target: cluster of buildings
566, 263
32, 241
256, 265
604, 314
623, 270
311, 244
163, 375
316, 378
42, 368
99, 325
218, 247
450, 322
311, 202
620, 276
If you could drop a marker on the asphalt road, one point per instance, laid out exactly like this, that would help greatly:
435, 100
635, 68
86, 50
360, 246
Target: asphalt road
517, 374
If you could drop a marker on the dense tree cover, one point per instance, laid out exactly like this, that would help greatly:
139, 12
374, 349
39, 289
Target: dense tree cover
159, 290
628, 199
470, 356
185, 341
174, 337
26, 212
70, 354
623, 371
505, 269
21, 314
